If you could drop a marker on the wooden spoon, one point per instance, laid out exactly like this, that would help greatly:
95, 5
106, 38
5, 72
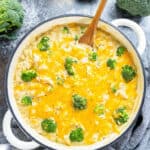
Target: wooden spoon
88, 36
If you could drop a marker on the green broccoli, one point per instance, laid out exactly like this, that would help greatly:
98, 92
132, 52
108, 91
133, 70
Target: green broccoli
26, 100
135, 7
128, 73
66, 30
43, 44
79, 102
68, 65
76, 135
121, 116
113, 89
70, 71
28, 75
120, 50
49, 125
111, 63
11, 17
93, 56
99, 109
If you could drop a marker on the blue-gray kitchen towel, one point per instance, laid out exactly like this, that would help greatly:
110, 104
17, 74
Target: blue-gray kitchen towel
36, 11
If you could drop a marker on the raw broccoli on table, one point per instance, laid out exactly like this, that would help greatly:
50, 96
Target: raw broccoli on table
11, 17
135, 7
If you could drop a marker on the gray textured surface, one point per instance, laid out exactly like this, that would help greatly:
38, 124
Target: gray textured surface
138, 137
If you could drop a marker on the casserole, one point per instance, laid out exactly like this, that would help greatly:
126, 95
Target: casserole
43, 28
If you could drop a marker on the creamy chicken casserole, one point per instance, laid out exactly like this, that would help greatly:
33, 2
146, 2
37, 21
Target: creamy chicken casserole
71, 93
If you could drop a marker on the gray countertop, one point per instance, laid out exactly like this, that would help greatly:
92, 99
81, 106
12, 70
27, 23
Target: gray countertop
37, 11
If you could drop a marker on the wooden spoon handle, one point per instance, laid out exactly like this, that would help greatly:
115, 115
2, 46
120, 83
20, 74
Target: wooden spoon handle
88, 37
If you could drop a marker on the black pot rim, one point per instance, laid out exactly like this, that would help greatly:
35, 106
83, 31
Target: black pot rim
53, 18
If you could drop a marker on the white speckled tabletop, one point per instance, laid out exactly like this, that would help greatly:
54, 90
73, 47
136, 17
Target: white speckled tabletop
37, 11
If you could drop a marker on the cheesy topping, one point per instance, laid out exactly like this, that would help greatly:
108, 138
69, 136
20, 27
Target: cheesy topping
72, 93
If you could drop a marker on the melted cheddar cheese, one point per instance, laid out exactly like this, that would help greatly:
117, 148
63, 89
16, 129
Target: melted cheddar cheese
92, 79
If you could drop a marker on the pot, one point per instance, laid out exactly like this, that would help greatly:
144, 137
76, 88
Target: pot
13, 111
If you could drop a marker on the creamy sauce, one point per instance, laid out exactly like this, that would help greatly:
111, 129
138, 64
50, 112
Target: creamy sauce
92, 79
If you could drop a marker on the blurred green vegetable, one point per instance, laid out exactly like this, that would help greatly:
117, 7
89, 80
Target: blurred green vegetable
114, 89
128, 73
43, 44
93, 56
66, 30
111, 63
28, 75
120, 50
68, 65
26, 100
79, 102
99, 109
48, 125
135, 7
76, 135
60, 80
76, 38
121, 116
11, 17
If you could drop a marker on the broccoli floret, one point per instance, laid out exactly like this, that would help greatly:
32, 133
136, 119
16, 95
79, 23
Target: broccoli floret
28, 75
79, 102
93, 56
70, 60
70, 71
68, 65
99, 109
120, 50
43, 44
66, 30
128, 73
111, 63
49, 125
135, 7
121, 116
26, 100
11, 17
76, 135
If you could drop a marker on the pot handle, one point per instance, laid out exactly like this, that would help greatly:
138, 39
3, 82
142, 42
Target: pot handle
136, 28
11, 138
